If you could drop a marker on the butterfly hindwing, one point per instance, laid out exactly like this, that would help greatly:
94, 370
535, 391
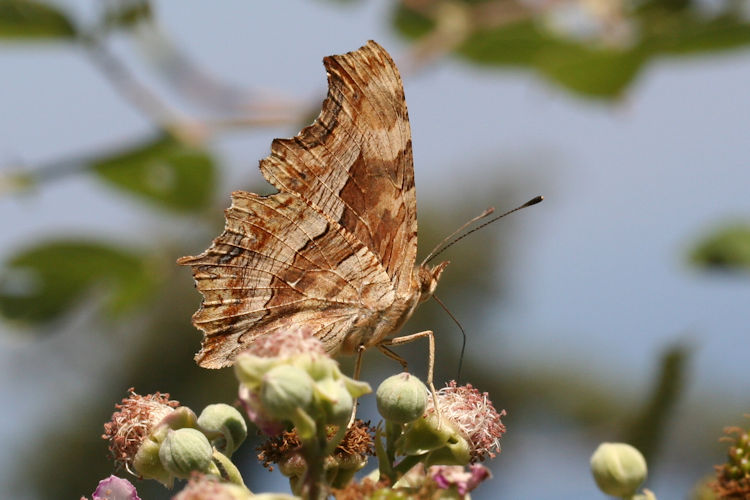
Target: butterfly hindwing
277, 261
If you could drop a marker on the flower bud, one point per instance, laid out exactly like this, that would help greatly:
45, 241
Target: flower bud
473, 415
618, 469
138, 428
401, 398
226, 423
286, 389
185, 451
147, 462
439, 442
733, 476
336, 401
467, 428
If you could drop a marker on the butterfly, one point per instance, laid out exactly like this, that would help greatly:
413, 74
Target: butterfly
334, 250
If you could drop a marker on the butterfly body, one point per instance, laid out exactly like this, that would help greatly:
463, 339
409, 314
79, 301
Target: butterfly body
375, 328
334, 250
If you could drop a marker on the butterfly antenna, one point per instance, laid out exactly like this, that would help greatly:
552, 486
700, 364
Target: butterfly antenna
436, 252
463, 333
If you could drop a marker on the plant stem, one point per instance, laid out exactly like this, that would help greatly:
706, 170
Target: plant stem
314, 485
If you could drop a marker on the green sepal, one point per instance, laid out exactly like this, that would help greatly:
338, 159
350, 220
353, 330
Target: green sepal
249, 369
228, 470
148, 464
439, 442
224, 427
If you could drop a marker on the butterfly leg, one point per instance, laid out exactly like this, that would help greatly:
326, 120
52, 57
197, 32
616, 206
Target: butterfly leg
430, 363
357, 371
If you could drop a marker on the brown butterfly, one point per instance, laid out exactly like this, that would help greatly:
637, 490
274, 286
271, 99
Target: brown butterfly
334, 250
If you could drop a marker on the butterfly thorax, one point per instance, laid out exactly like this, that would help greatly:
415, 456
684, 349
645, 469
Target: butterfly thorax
373, 329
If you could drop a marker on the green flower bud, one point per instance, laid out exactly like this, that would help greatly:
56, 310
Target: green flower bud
618, 469
143, 422
147, 461
285, 389
224, 425
336, 400
185, 451
438, 441
401, 398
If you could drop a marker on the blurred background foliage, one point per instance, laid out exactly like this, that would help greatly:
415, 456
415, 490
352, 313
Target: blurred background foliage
590, 49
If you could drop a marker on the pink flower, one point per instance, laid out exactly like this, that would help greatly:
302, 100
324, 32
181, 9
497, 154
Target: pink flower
285, 343
446, 476
266, 424
471, 412
132, 423
115, 488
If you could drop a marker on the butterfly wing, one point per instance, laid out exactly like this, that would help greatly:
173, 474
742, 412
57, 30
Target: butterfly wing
355, 161
336, 246
278, 263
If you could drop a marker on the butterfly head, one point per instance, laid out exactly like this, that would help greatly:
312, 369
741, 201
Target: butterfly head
428, 277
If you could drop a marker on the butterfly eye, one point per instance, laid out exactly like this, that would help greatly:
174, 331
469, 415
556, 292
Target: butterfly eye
428, 279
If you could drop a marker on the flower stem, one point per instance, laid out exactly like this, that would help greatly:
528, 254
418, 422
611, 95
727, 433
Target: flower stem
407, 463
314, 485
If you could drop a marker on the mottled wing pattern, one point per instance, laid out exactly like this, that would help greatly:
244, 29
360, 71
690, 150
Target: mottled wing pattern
280, 262
355, 161
338, 243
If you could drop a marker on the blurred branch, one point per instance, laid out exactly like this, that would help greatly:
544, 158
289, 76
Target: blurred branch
182, 127
169, 121
147, 102
181, 72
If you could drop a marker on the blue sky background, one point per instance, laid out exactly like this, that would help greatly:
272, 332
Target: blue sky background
599, 278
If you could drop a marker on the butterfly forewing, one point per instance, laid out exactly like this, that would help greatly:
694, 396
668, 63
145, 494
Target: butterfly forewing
334, 250
355, 161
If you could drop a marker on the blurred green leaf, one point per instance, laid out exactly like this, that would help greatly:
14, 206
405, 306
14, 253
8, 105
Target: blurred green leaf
596, 73
727, 248
44, 282
588, 68
127, 13
411, 23
29, 20
589, 71
689, 33
163, 171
